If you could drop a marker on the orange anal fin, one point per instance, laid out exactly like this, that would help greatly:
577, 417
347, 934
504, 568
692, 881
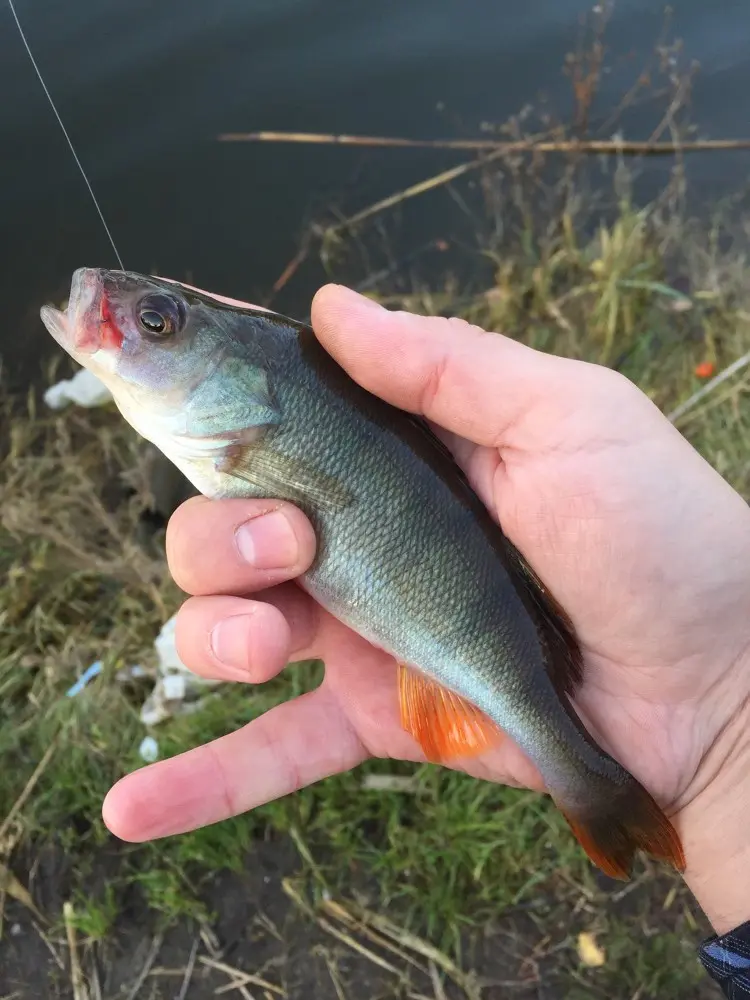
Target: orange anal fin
444, 724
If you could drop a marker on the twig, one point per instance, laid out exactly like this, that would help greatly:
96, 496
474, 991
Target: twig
50, 947
210, 940
188, 971
610, 147
341, 914
9, 884
445, 177
292, 267
333, 971
240, 977
355, 945
96, 986
76, 974
416, 944
243, 978
387, 935
437, 986
306, 855
213, 947
150, 959
632, 886
709, 387
327, 138
28, 788
667, 118
408, 783
297, 898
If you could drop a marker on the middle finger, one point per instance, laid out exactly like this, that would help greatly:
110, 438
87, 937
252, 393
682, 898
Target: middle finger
237, 639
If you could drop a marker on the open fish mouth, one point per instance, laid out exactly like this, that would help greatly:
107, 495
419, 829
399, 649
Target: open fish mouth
56, 322
80, 328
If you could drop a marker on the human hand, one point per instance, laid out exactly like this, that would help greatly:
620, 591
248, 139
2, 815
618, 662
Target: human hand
638, 538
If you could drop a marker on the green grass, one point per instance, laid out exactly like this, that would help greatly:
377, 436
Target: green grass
95, 916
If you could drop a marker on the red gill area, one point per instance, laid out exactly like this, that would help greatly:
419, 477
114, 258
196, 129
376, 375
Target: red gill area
109, 333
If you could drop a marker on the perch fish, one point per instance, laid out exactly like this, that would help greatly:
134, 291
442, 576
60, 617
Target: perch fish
247, 403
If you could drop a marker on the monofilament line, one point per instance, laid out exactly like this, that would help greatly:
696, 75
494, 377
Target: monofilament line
65, 133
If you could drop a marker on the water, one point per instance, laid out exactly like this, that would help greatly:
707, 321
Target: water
145, 88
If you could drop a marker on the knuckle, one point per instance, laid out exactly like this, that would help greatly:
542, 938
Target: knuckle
433, 384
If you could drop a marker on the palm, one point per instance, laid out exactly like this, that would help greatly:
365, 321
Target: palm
572, 500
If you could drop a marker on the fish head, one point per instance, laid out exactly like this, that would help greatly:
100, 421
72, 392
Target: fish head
139, 335
181, 365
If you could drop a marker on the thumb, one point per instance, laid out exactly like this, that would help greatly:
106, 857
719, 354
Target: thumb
478, 385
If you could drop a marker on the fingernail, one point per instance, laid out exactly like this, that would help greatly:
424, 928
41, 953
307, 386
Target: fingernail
268, 541
230, 643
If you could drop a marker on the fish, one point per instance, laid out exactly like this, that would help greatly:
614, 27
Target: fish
246, 402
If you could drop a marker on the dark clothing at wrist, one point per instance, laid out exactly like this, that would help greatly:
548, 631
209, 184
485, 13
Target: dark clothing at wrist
726, 958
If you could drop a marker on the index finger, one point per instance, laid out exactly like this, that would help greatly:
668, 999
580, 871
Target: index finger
292, 745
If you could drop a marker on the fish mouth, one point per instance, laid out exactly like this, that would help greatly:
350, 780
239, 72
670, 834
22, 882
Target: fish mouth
56, 322
79, 329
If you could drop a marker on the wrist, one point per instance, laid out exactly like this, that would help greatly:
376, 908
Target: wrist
715, 827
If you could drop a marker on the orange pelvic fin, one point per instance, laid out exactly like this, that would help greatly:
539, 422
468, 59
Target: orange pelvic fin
444, 724
633, 822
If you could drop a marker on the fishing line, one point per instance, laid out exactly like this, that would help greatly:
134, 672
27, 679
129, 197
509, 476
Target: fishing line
65, 133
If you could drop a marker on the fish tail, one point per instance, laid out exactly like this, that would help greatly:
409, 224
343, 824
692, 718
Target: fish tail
623, 822
623, 817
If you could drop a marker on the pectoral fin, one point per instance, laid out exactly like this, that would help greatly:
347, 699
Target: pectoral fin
444, 724
274, 475
563, 652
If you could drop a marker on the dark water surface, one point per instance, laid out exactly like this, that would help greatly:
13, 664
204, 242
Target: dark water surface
145, 88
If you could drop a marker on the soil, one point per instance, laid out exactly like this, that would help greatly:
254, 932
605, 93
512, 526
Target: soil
259, 929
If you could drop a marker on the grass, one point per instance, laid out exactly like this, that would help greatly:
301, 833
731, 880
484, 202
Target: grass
646, 289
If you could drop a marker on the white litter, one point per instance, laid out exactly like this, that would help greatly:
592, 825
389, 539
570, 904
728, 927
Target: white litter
149, 749
177, 690
174, 686
136, 672
84, 389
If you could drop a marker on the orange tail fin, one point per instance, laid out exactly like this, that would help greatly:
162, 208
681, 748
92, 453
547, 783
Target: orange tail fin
633, 821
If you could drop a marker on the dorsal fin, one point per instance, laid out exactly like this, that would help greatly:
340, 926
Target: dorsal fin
564, 657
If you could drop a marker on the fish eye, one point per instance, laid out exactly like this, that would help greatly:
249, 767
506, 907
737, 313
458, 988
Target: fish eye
160, 315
